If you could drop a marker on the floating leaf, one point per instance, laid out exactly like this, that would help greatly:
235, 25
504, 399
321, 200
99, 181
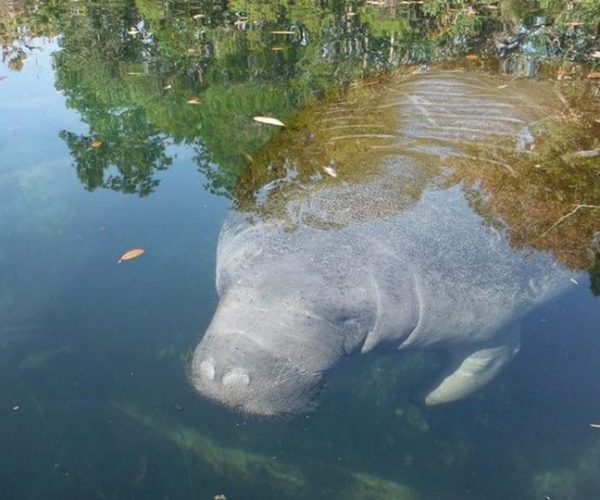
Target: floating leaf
269, 121
96, 143
134, 253
194, 100
277, 48
330, 171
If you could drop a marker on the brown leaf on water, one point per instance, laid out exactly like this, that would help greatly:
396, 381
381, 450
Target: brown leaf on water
194, 100
134, 253
96, 143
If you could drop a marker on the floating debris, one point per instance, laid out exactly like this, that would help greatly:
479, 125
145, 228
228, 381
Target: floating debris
96, 143
589, 153
16, 408
594, 75
573, 280
472, 57
133, 31
595, 426
282, 32
596, 54
220, 496
269, 121
194, 100
331, 171
167, 87
131, 254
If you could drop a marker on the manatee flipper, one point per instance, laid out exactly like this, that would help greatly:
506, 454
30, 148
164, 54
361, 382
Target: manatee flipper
475, 369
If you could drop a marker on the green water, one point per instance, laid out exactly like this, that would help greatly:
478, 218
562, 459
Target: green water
94, 397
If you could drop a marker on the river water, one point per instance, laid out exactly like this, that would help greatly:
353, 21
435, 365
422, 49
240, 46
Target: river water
129, 125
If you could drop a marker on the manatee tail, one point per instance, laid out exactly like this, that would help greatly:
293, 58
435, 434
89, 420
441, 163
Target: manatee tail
472, 370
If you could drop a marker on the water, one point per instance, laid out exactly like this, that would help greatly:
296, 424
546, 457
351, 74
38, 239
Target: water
95, 401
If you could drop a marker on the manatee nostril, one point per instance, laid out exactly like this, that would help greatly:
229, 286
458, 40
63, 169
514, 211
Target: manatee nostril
236, 377
207, 369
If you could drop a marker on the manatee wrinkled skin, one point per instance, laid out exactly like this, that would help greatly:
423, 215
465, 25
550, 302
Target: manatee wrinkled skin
423, 272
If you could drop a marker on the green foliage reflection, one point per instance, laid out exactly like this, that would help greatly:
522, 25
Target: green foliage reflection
129, 66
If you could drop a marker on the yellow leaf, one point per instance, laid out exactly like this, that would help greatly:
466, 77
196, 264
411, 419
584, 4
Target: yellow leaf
282, 32
134, 253
96, 143
194, 100
269, 121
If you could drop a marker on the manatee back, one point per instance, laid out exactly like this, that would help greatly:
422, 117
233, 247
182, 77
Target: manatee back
405, 201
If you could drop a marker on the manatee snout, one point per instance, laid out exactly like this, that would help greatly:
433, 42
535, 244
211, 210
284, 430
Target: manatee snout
234, 370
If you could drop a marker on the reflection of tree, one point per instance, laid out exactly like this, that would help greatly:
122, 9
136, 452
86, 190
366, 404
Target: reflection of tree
131, 150
145, 58
19, 25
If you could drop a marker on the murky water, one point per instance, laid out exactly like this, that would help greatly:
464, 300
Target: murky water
129, 125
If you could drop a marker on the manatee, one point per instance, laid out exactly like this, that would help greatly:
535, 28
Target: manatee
386, 252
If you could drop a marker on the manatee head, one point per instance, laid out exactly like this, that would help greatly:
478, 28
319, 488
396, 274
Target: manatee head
279, 329
264, 355
233, 369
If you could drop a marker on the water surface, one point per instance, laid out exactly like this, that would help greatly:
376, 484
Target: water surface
95, 401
